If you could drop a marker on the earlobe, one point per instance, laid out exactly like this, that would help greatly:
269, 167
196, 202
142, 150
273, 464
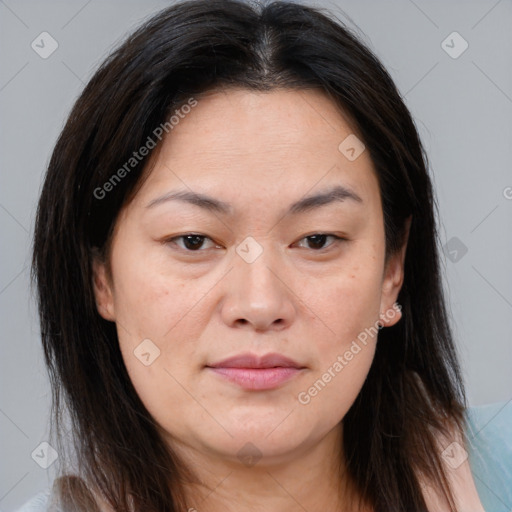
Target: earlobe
102, 289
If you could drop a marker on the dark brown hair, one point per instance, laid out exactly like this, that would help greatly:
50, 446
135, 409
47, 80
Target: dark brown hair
414, 388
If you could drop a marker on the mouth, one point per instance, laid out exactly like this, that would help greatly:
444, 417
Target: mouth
251, 372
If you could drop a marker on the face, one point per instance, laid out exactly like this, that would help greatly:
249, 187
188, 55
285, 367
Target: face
290, 286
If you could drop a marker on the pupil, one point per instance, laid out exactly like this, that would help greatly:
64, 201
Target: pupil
194, 245
318, 238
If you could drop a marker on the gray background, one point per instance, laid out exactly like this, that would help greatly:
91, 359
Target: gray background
462, 107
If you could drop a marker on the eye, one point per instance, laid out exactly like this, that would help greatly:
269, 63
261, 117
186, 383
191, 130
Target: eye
318, 240
191, 242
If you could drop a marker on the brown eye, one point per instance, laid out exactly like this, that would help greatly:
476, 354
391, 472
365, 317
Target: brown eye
317, 241
191, 242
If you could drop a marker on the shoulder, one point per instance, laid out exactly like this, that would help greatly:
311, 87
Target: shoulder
489, 448
38, 502
479, 468
65, 491
454, 457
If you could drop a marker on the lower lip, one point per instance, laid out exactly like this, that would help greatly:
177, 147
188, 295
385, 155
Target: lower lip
257, 378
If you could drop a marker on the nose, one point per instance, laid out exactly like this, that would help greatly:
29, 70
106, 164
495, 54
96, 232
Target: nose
258, 295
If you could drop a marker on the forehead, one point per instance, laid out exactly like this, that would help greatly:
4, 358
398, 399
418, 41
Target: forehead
259, 144
246, 122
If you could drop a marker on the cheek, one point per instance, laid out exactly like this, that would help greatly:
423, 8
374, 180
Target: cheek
150, 299
164, 327
167, 312
156, 316
346, 303
349, 309
331, 391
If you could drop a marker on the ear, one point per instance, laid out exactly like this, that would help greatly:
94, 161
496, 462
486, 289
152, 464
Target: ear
102, 287
390, 312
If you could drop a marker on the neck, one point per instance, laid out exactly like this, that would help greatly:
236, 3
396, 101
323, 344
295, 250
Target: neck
312, 479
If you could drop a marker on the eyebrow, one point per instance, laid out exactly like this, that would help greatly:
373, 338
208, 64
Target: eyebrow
337, 194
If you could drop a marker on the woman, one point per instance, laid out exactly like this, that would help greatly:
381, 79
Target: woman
239, 285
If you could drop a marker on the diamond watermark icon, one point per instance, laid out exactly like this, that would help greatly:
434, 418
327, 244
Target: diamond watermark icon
455, 249
454, 45
249, 250
454, 455
44, 455
146, 352
351, 147
44, 45
249, 454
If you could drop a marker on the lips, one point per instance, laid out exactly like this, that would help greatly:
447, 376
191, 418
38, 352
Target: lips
272, 360
257, 373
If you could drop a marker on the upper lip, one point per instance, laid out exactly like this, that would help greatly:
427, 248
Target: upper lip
248, 360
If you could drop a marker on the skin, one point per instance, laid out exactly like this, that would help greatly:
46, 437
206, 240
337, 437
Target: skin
259, 152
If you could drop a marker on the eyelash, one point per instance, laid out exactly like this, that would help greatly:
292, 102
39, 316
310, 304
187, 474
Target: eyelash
337, 239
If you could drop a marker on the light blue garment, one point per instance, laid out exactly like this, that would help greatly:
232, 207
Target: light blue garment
37, 503
490, 457
490, 454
